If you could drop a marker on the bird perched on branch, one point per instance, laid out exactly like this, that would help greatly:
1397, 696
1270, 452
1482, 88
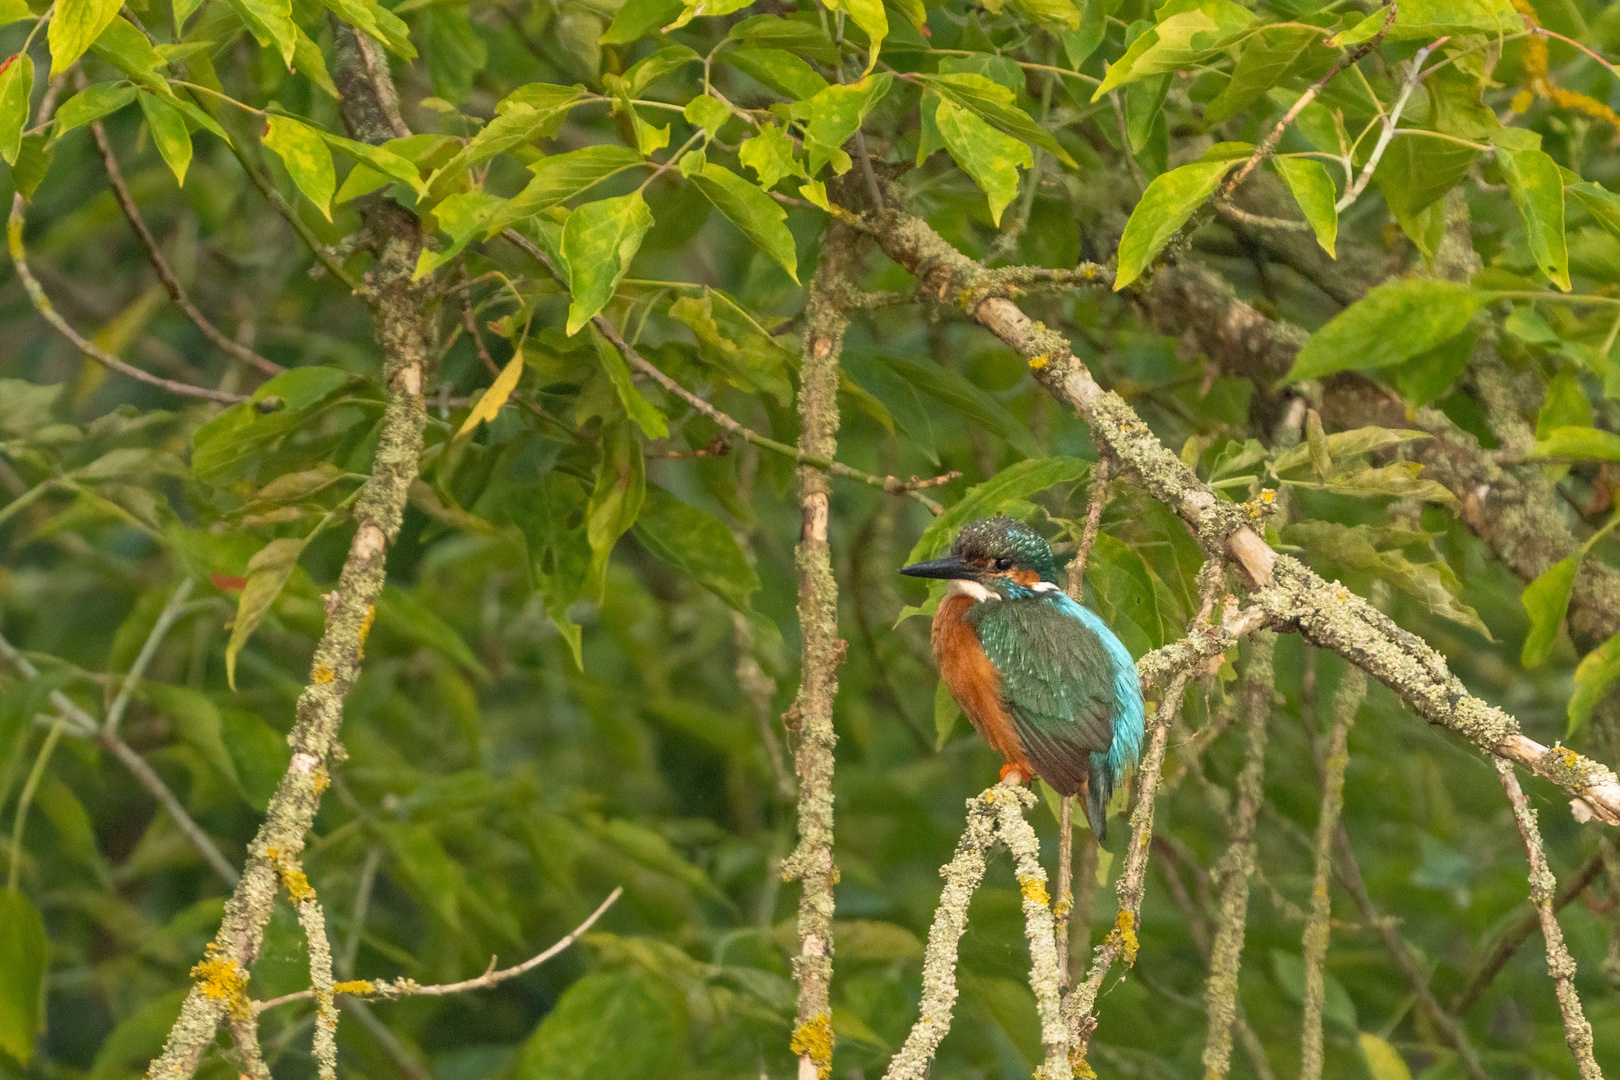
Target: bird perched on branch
1043, 679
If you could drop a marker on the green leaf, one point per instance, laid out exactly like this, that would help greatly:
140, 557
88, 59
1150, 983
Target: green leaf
968, 399
91, 103
598, 243
692, 9
661, 64
1565, 405
403, 612
1392, 323
646, 1012
638, 18
1177, 43
232, 442
946, 714
1127, 596
1383, 1060
271, 24
75, 25
641, 411
991, 158
531, 112
994, 104
771, 155
1365, 30
1546, 601
170, 133
1165, 207
259, 753
1430, 374
871, 18
760, 217
129, 50
22, 974
267, 572
16, 83
708, 113
463, 216
1414, 173
376, 20
196, 719
801, 36
1432, 584
730, 339
1602, 204
13, 10
33, 162
1578, 444
1268, 56
778, 69
832, 117
1593, 675
306, 157
615, 502
1313, 190
1537, 187
559, 178
1012, 484
381, 159
696, 542
1337, 1006
1080, 43
1429, 19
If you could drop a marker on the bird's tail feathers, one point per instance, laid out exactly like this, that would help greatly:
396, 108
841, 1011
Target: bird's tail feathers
1099, 791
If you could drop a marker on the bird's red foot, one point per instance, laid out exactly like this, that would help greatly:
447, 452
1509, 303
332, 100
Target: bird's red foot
1012, 774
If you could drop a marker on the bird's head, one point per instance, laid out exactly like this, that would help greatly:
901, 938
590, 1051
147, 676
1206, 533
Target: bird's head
995, 552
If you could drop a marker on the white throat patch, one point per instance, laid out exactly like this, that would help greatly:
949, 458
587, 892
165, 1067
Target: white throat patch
959, 587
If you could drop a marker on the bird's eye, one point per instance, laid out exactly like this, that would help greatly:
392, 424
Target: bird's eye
1003, 564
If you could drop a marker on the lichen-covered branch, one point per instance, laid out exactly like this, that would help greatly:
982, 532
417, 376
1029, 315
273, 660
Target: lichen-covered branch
811, 717
1294, 597
405, 332
1560, 965
1025, 847
962, 877
1121, 943
1345, 703
313, 921
1232, 873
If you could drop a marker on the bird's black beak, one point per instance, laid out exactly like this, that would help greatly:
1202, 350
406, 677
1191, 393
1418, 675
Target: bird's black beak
951, 566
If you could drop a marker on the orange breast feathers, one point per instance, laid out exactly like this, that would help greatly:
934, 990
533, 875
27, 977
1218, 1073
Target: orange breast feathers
973, 680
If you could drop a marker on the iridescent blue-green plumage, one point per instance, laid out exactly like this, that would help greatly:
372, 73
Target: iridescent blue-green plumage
1067, 683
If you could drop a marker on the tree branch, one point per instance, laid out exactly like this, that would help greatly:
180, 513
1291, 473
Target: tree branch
1560, 965
154, 253
811, 717
43, 305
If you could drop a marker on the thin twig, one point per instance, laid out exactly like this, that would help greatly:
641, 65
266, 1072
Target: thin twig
390, 990
313, 921
1088, 535
1237, 864
469, 322
760, 688
82, 725
1345, 703
1350, 873
1560, 965
1516, 935
1389, 121
1025, 847
165, 273
1274, 136
1065, 883
42, 304
888, 483
160, 629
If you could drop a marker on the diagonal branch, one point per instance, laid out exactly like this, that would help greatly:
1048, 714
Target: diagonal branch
165, 273
1560, 965
1291, 596
43, 305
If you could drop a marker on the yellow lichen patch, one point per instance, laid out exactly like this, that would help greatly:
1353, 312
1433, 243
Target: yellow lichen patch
1080, 1066
365, 629
322, 674
222, 979
1034, 890
814, 1039
355, 986
1038, 362
320, 781
1125, 927
292, 877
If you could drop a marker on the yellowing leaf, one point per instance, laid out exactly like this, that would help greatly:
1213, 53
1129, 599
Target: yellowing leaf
1383, 1060
169, 132
267, 572
871, 18
75, 25
1165, 207
15, 85
307, 159
499, 391
991, 158
1313, 190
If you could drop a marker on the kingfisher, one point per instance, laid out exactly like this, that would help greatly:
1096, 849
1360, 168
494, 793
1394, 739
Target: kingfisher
1044, 680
